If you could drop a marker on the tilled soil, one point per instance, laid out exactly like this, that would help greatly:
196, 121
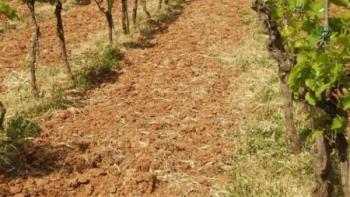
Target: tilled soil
160, 130
78, 27
81, 24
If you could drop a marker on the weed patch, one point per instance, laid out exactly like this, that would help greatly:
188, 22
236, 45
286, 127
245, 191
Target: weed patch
13, 141
100, 67
263, 164
24, 108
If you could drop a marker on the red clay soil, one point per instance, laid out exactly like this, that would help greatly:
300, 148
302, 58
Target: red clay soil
160, 130
81, 23
78, 27
2, 17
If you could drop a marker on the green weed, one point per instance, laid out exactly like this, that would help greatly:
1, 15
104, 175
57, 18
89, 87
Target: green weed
17, 136
99, 64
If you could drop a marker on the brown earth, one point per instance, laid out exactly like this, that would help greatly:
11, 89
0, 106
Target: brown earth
78, 27
81, 24
160, 130
2, 17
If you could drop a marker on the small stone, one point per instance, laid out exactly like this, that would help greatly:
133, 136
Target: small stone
97, 172
79, 181
113, 190
20, 195
15, 189
41, 182
89, 190
83, 180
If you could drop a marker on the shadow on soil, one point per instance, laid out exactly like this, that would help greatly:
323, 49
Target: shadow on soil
157, 25
23, 154
40, 159
102, 67
37, 158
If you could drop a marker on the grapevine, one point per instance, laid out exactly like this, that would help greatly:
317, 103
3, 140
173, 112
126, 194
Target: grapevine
320, 76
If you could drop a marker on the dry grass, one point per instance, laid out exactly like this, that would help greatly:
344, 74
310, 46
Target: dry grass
263, 165
44, 11
179, 182
18, 97
52, 80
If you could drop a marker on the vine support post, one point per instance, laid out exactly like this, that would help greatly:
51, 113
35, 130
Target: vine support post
322, 161
160, 2
61, 37
134, 12
144, 7
125, 17
34, 47
110, 27
2, 116
293, 137
326, 15
109, 17
342, 147
323, 168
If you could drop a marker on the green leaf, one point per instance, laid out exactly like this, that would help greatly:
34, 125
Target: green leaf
338, 123
321, 64
337, 72
323, 88
300, 44
311, 99
345, 100
316, 134
310, 83
299, 73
